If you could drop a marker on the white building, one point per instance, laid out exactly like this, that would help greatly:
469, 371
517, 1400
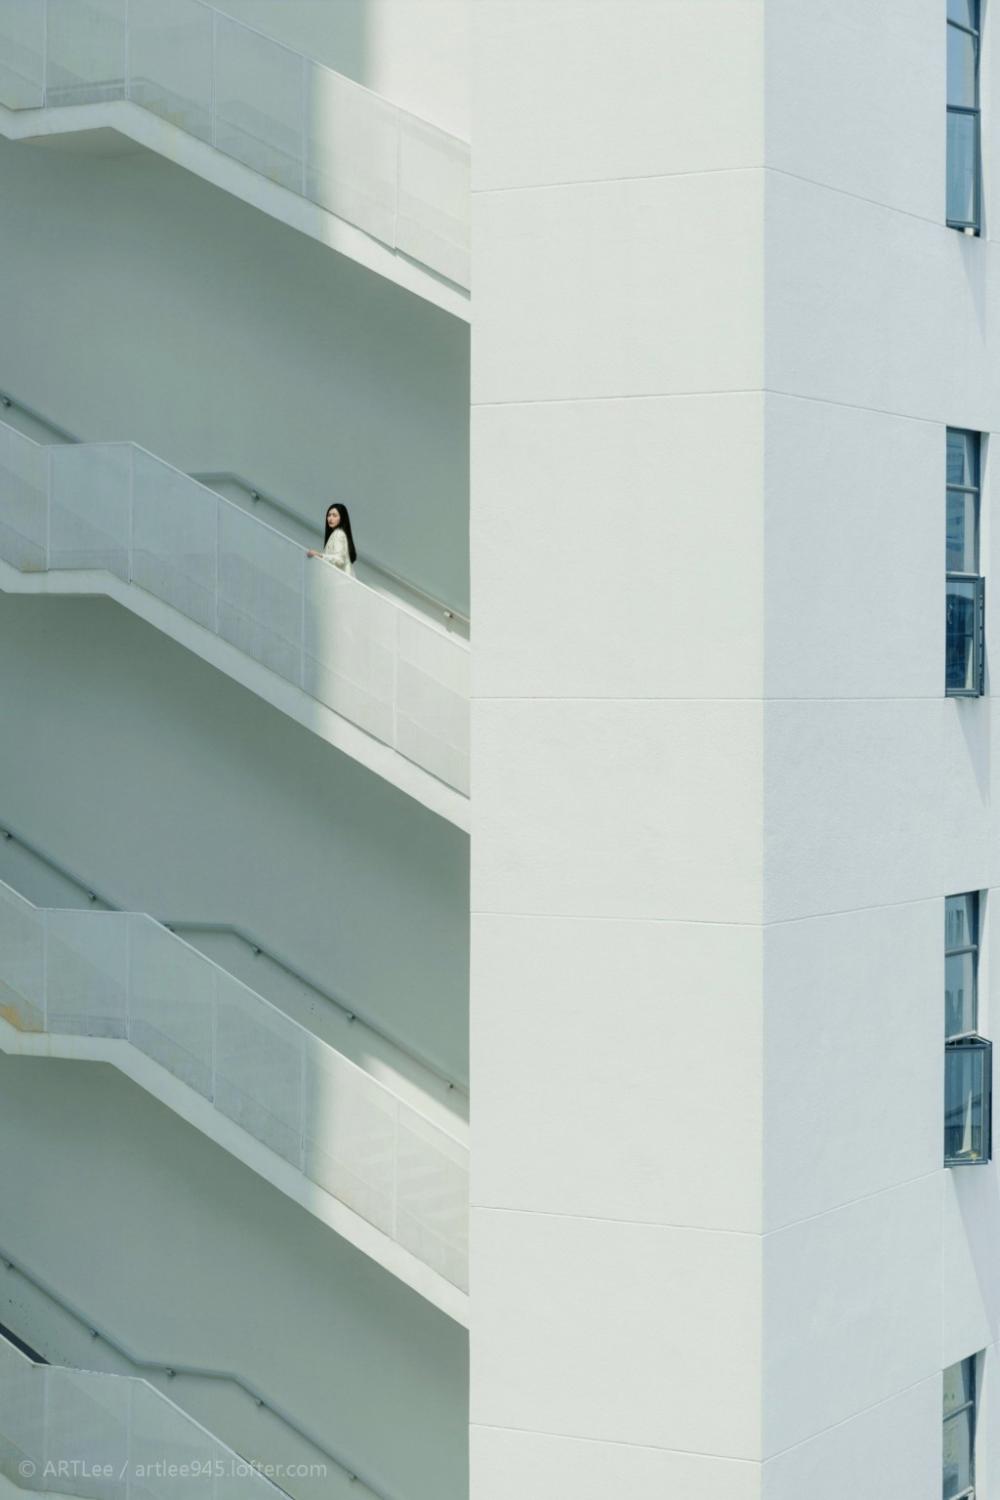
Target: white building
721, 836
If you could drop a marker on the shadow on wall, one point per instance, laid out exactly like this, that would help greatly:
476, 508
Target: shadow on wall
173, 1242
222, 340
124, 743
971, 1246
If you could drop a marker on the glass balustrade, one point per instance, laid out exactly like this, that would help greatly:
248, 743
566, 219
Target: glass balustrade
292, 120
114, 508
84, 1433
121, 975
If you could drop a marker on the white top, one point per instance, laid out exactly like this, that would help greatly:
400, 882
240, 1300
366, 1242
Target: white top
337, 552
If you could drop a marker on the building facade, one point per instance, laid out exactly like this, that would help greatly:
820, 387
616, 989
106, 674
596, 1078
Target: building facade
632, 799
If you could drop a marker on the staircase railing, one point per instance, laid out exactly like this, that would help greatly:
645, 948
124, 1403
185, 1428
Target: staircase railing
65, 1431
294, 121
397, 582
122, 977
124, 1351
115, 508
349, 1011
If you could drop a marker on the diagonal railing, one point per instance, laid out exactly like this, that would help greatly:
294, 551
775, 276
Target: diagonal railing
350, 1010
255, 494
122, 977
80, 1432
341, 1464
294, 121
116, 509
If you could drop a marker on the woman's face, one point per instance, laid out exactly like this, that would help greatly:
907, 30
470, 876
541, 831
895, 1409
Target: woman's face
333, 516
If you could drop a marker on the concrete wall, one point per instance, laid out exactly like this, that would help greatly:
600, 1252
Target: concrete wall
414, 52
179, 793
880, 332
726, 1151
140, 303
187, 1257
618, 738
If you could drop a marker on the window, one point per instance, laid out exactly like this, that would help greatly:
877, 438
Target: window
959, 1466
965, 588
968, 1057
964, 173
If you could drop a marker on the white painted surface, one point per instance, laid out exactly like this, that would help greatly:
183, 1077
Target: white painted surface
506, 1463
609, 1112
851, 1310
872, 802
891, 1451
301, 214
971, 1297
852, 1056
785, 769
855, 99
843, 323
617, 745
639, 809
653, 284
636, 808
376, 757
597, 489
125, 743
119, 988
224, 342
853, 542
643, 90
190, 1259
628, 1326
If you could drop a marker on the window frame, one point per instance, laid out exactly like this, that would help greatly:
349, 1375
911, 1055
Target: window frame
970, 947
961, 579
971, 1040
975, 224
961, 1046
970, 1406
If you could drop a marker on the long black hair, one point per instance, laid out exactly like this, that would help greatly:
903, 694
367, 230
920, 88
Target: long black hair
345, 527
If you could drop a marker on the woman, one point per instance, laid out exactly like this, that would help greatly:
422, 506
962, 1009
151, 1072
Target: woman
338, 547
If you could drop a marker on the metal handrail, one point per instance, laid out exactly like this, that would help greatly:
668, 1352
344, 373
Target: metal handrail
122, 1349
257, 495
205, 480
35, 1361
290, 1021
7, 401
351, 1013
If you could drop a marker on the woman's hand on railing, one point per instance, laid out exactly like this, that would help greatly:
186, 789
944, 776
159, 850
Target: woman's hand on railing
311, 553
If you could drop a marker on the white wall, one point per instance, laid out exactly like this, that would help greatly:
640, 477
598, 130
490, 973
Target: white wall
618, 737
140, 303
186, 1256
736, 722
414, 52
878, 791
179, 793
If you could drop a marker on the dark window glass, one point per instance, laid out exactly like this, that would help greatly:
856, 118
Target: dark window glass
962, 637
962, 51
964, 13
967, 1102
964, 171
965, 590
959, 1470
961, 948
963, 457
